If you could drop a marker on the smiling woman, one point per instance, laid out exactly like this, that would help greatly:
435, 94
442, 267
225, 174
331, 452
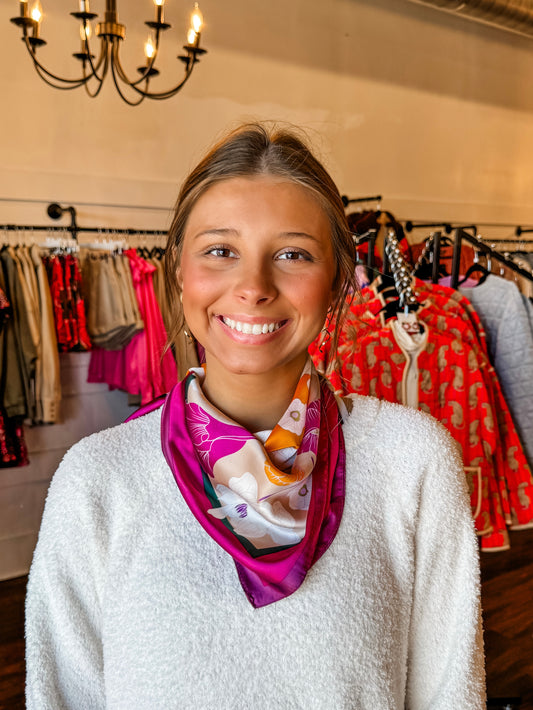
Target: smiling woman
288, 548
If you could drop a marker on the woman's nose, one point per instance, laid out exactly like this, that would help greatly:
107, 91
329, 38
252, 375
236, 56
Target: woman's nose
256, 284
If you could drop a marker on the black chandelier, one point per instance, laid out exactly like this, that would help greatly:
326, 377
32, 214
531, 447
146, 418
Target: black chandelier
111, 33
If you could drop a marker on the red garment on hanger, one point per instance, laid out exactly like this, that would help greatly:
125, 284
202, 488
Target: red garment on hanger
64, 277
13, 450
457, 385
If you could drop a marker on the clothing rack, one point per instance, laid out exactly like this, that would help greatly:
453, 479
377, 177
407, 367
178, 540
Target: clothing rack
511, 245
460, 237
352, 200
409, 226
75, 231
56, 211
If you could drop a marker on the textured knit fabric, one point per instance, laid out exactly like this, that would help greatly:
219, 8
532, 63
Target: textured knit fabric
501, 307
128, 610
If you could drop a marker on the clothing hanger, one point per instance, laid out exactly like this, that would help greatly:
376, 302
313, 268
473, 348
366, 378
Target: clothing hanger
476, 267
157, 252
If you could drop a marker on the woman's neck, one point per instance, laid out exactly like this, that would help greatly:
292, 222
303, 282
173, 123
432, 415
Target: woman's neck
257, 402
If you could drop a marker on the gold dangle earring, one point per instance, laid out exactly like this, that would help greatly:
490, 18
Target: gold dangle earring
186, 332
325, 333
188, 335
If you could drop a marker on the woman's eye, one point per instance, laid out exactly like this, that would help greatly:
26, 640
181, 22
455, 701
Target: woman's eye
291, 255
222, 252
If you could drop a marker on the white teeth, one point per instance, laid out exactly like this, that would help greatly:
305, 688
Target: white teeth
250, 328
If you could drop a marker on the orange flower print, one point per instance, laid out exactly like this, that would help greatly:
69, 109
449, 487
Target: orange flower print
278, 478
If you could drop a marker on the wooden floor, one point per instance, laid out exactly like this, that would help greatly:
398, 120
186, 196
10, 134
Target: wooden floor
507, 595
507, 592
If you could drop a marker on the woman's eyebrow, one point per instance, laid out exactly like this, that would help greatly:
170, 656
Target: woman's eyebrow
221, 232
299, 235
231, 232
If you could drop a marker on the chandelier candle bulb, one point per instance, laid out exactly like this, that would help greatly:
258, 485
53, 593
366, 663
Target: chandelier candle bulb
159, 10
197, 19
36, 16
149, 49
84, 6
191, 37
23, 5
85, 34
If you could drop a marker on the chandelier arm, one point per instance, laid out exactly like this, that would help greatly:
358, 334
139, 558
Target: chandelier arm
144, 92
104, 51
88, 91
124, 77
119, 89
37, 64
171, 92
99, 79
43, 76
115, 62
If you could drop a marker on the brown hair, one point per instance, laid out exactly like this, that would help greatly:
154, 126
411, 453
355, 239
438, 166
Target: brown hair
251, 150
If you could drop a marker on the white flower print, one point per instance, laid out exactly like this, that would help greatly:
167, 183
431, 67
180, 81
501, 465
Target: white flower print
248, 522
294, 418
245, 486
300, 496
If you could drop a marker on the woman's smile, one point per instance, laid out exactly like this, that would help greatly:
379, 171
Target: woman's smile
254, 327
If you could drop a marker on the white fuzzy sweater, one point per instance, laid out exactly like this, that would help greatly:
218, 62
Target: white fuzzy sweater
131, 605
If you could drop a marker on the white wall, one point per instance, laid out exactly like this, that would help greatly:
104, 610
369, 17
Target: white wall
430, 110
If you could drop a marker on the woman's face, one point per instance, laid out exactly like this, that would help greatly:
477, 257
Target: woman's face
256, 272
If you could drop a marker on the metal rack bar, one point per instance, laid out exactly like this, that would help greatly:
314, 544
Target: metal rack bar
68, 228
409, 226
352, 200
460, 237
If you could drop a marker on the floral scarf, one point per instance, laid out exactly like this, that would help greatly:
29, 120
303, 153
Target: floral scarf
274, 507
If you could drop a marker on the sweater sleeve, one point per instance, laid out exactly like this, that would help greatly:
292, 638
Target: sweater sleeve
445, 657
64, 657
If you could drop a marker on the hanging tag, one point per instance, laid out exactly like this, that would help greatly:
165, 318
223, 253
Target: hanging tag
409, 323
